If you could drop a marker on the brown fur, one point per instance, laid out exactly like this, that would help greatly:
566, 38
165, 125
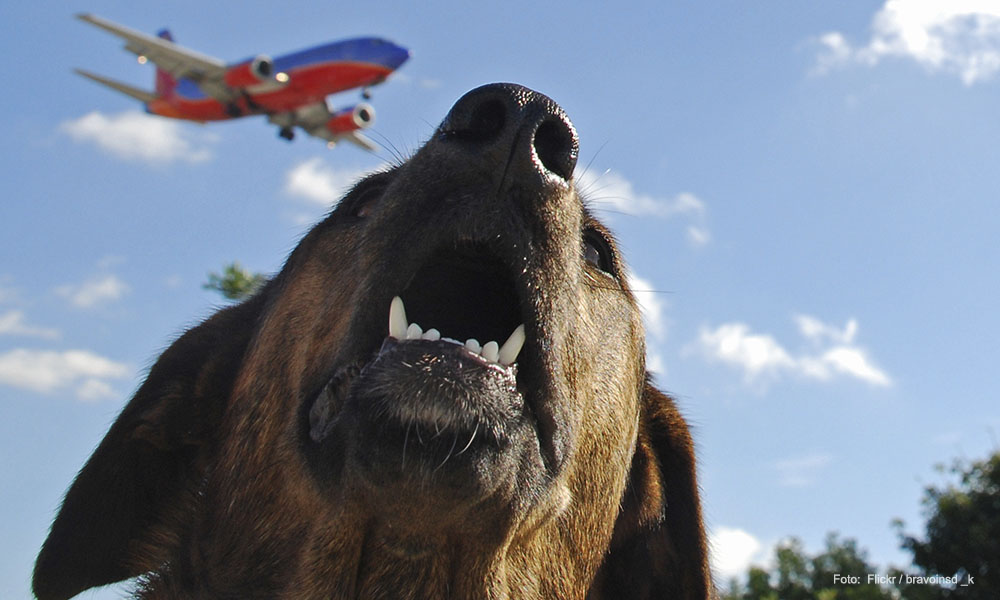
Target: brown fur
265, 455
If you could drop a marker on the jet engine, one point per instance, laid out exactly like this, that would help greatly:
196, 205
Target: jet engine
259, 69
352, 118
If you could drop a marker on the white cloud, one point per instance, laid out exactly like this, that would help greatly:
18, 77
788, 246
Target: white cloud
653, 310
655, 363
760, 355
817, 331
961, 37
133, 135
13, 322
93, 292
318, 183
851, 361
610, 191
48, 371
801, 471
698, 236
756, 354
92, 390
732, 551
651, 305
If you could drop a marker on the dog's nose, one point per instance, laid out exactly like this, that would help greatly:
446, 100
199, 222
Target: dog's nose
515, 128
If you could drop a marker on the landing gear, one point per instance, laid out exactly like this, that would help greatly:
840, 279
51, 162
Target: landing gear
286, 133
366, 93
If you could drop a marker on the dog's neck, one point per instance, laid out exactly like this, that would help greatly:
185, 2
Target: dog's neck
376, 561
392, 561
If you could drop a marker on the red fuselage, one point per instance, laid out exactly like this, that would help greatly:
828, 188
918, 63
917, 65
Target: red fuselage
300, 79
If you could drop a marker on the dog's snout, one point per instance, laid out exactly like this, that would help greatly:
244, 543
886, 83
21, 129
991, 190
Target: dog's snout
513, 123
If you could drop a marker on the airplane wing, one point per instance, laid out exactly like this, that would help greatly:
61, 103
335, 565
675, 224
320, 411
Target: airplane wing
180, 62
317, 120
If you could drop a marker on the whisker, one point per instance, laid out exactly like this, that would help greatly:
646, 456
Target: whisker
454, 441
396, 155
472, 437
406, 439
590, 162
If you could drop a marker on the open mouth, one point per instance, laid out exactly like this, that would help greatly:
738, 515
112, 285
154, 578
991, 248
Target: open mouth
449, 362
465, 293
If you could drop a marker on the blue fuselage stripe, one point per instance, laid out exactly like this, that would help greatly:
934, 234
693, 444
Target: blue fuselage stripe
371, 50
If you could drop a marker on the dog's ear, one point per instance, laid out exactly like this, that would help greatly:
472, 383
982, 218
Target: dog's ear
658, 548
153, 453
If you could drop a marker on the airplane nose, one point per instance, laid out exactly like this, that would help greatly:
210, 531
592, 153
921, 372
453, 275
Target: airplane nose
396, 56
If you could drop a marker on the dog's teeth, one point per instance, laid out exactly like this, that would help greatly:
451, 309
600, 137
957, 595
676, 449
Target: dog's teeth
403, 330
512, 347
397, 319
491, 351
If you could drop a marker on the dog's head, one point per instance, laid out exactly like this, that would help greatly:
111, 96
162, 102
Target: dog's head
315, 441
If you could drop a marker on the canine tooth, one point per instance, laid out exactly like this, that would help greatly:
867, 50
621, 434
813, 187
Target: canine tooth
473, 345
397, 319
432, 335
512, 347
491, 351
414, 332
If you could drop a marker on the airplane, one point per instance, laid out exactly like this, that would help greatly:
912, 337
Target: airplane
290, 90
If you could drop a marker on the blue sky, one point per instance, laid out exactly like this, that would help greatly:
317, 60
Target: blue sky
807, 190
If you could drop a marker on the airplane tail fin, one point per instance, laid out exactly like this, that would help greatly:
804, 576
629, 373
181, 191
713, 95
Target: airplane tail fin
140, 95
165, 82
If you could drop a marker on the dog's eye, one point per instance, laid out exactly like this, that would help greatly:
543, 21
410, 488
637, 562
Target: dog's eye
362, 205
362, 200
597, 251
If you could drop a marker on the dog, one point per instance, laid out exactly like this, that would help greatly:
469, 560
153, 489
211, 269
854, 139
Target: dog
442, 394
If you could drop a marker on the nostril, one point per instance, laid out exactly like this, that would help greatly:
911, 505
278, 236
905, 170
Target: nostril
556, 147
488, 120
483, 123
